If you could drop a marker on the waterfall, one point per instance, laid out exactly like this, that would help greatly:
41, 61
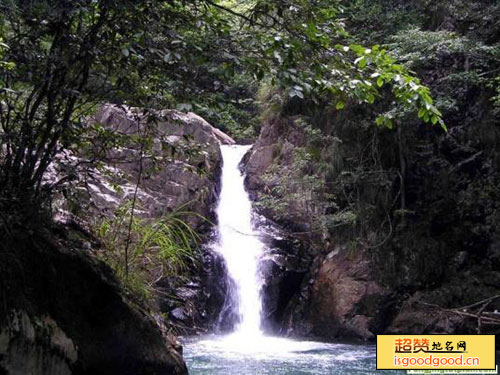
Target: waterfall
239, 244
248, 350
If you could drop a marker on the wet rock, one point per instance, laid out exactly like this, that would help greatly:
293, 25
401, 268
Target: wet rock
68, 315
202, 303
35, 346
178, 314
283, 269
186, 293
341, 295
186, 174
443, 248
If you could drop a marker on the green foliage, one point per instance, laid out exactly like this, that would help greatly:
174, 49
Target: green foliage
203, 55
156, 248
4, 65
374, 21
408, 91
371, 183
459, 64
296, 189
270, 101
419, 49
230, 107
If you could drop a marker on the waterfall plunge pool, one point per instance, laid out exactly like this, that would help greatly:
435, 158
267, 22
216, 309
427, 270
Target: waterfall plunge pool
249, 351
266, 355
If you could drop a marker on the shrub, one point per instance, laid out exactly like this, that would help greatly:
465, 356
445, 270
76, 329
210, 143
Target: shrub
144, 250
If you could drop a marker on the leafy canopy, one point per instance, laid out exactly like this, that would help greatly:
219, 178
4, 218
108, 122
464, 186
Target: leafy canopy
61, 58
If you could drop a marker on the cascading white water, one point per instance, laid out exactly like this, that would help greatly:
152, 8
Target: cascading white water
238, 242
248, 351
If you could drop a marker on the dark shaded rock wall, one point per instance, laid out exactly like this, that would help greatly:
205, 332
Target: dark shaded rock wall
411, 213
185, 176
385, 275
64, 313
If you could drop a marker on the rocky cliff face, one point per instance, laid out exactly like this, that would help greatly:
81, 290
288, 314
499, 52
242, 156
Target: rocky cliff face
64, 313
375, 268
337, 294
179, 165
179, 171
402, 224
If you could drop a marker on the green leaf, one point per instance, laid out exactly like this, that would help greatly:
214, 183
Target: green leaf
357, 48
340, 105
362, 63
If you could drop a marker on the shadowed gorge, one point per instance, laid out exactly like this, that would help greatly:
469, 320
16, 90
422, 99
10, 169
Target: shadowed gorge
245, 187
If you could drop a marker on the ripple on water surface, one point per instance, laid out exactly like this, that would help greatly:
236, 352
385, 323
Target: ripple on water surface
265, 355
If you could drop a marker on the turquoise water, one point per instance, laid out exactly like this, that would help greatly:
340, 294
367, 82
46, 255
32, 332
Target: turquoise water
248, 351
231, 355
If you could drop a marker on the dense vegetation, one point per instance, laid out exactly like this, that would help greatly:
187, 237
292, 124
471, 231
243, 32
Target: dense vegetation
60, 58
395, 103
363, 169
420, 203
457, 58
